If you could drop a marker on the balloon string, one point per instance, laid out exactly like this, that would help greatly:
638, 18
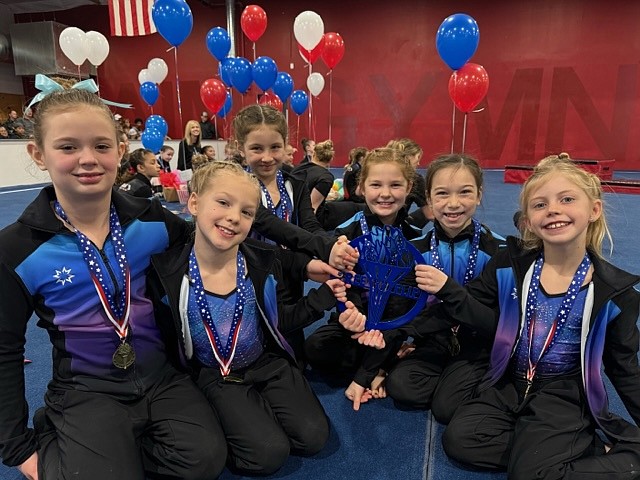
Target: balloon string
97, 81
175, 59
453, 127
298, 130
254, 51
79, 75
464, 131
310, 101
330, 97
315, 120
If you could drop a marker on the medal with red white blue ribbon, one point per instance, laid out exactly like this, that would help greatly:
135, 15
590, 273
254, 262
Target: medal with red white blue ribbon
224, 353
561, 317
116, 301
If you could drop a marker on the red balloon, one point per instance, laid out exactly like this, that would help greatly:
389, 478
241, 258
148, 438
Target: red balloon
333, 49
213, 94
253, 22
313, 55
271, 99
468, 86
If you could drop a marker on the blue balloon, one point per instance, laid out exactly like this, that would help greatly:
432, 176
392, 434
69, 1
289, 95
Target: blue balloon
218, 43
265, 72
299, 101
173, 19
226, 108
241, 74
225, 67
457, 40
149, 92
157, 122
152, 139
283, 86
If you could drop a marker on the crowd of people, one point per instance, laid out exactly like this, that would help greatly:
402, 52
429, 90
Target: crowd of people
178, 348
17, 127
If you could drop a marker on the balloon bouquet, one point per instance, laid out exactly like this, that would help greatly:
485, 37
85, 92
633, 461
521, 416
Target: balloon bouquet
79, 46
457, 40
174, 21
313, 44
150, 78
155, 126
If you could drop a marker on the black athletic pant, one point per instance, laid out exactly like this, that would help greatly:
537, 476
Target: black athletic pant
431, 377
331, 349
266, 411
170, 433
547, 435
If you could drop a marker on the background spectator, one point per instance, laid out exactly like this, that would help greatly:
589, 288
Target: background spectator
27, 121
307, 148
189, 145
206, 127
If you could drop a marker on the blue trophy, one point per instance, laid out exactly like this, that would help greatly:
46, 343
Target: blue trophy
385, 269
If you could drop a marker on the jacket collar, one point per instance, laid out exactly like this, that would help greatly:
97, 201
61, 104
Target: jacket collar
610, 279
465, 234
176, 261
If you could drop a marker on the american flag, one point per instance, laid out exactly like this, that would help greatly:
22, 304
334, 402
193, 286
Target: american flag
130, 18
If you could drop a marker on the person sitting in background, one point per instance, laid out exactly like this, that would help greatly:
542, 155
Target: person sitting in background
307, 147
423, 215
287, 160
124, 173
351, 174
135, 131
210, 152
316, 173
164, 158
18, 132
189, 145
11, 122
207, 128
143, 163
4, 135
27, 121
230, 150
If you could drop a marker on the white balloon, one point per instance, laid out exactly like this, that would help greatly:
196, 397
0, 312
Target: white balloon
308, 28
315, 83
144, 76
98, 48
74, 45
158, 70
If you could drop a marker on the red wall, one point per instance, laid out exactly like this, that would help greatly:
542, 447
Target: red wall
563, 75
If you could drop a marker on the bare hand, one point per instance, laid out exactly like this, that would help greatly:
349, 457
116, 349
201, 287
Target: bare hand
339, 289
430, 279
30, 467
378, 389
343, 256
352, 319
406, 349
357, 394
320, 272
370, 338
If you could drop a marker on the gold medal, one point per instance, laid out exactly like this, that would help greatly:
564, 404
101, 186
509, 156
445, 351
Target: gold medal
124, 356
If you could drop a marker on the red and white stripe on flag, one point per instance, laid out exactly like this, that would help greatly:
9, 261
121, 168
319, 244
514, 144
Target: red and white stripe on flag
131, 18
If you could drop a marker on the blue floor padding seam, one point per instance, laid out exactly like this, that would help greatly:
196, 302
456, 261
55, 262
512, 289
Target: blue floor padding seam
432, 428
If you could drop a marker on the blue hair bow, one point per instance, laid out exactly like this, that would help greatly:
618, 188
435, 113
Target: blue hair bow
47, 85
